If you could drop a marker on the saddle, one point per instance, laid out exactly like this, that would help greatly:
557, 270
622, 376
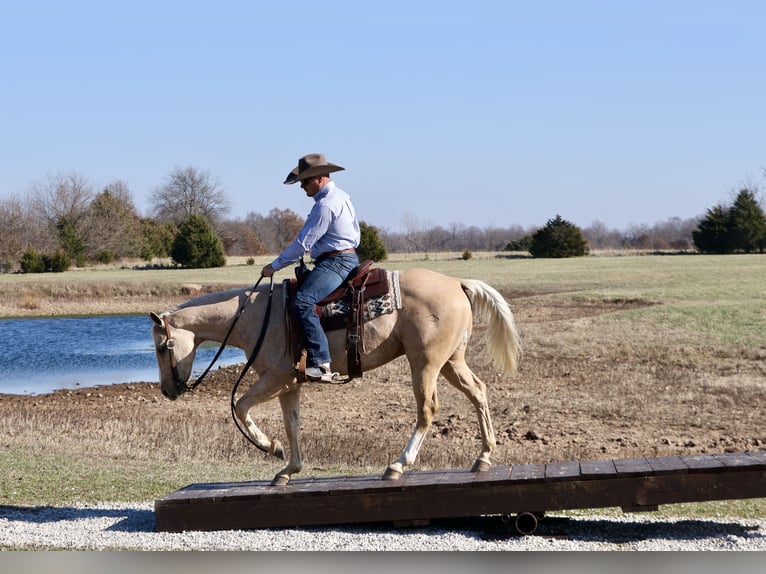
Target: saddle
346, 307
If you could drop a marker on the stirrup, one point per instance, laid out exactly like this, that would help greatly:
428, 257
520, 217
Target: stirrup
321, 374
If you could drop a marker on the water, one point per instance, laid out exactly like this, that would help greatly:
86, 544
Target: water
41, 355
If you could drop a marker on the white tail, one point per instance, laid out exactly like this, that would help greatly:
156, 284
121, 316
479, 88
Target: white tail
503, 340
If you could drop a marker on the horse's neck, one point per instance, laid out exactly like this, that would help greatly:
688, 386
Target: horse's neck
210, 316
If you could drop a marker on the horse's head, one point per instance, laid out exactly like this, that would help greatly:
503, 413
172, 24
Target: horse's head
175, 349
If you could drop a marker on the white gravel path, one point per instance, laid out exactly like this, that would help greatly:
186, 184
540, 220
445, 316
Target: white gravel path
118, 526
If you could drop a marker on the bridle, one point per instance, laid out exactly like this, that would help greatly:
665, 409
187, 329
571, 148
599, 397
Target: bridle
169, 344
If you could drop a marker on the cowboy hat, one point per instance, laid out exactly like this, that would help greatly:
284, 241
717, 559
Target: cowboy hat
311, 165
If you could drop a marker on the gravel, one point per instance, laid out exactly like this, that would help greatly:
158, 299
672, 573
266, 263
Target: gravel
118, 526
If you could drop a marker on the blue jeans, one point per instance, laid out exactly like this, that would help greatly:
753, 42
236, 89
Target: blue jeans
327, 275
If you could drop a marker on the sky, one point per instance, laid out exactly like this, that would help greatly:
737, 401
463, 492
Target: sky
472, 113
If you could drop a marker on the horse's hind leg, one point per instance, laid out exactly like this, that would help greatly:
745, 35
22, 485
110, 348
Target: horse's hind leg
291, 415
424, 387
457, 372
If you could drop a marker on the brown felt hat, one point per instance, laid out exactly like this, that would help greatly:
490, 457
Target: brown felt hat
311, 165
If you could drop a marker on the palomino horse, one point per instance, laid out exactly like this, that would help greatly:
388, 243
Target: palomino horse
431, 329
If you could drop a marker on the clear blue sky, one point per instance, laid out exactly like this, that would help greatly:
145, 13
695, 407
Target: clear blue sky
470, 112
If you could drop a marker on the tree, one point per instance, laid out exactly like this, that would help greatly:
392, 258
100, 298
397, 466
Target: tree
276, 230
71, 241
189, 191
197, 244
64, 196
559, 238
747, 223
370, 244
712, 234
239, 239
157, 239
32, 261
111, 227
741, 227
63, 201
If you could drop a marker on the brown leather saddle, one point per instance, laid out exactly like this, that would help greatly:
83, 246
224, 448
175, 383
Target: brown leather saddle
362, 284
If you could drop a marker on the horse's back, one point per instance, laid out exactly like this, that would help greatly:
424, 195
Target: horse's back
430, 285
431, 297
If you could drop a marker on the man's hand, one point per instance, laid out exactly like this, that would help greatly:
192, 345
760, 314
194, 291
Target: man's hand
267, 271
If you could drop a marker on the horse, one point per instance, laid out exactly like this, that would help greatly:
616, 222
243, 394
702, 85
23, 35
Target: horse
431, 329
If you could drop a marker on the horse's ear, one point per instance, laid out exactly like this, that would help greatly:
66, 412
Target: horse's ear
157, 319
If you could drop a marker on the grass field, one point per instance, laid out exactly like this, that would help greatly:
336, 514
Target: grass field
624, 356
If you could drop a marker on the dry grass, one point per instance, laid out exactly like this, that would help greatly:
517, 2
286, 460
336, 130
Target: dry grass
624, 357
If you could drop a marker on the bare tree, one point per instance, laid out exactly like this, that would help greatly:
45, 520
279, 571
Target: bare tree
22, 225
62, 197
276, 230
188, 191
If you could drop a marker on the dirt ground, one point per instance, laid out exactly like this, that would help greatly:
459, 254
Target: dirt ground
581, 393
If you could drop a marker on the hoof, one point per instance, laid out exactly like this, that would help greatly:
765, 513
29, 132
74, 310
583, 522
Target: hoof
280, 480
277, 450
393, 472
480, 466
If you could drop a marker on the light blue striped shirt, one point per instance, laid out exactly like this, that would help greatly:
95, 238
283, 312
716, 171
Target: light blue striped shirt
330, 226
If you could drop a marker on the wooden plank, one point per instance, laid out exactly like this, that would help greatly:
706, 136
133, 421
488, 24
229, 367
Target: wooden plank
597, 468
668, 465
495, 474
736, 459
632, 466
701, 462
758, 455
528, 473
562, 470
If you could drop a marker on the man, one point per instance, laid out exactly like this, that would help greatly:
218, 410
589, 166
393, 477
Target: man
330, 235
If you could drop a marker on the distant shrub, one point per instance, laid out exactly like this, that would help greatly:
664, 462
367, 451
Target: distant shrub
59, 262
559, 238
32, 261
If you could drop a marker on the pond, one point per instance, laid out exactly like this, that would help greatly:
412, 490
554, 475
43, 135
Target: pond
38, 356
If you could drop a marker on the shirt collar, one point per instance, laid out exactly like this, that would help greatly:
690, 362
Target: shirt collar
322, 193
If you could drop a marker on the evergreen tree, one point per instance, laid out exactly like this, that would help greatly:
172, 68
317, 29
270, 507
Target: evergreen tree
370, 244
71, 241
32, 261
157, 239
197, 244
747, 223
712, 234
559, 238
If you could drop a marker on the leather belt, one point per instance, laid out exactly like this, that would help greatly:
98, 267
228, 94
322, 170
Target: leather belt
327, 254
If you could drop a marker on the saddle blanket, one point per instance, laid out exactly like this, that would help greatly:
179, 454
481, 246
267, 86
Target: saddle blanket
334, 314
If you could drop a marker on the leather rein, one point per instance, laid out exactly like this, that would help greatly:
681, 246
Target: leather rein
170, 343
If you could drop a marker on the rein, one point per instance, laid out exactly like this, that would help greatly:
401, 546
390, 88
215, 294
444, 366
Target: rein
251, 359
170, 345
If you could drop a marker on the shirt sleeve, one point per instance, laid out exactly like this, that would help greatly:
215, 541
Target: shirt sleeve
317, 224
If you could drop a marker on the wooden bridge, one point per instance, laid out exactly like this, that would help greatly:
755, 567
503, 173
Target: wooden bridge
525, 491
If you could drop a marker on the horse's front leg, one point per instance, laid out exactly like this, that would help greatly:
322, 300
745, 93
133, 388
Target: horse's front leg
268, 387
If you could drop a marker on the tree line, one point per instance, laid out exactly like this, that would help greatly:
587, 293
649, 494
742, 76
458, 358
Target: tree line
64, 221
